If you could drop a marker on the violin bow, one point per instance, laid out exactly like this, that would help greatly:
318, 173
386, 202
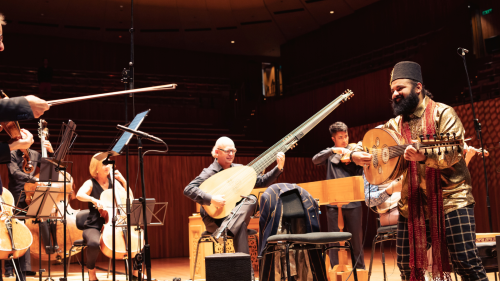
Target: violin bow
133, 91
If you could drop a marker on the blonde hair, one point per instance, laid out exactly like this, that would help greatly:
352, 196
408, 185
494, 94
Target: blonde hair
94, 166
2, 19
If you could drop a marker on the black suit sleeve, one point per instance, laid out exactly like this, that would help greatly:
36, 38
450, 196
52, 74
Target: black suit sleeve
4, 153
15, 109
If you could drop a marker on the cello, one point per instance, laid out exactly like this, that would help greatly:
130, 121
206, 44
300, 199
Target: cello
56, 229
106, 239
15, 237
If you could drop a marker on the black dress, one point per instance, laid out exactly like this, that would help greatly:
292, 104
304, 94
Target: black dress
93, 225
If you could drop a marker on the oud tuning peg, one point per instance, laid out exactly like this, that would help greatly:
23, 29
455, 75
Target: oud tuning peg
454, 136
428, 137
426, 153
459, 149
435, 136
441, 135
421, 138
446, 150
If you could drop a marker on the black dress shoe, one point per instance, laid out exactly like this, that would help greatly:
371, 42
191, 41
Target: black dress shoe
135, 278
30, 273
9, 273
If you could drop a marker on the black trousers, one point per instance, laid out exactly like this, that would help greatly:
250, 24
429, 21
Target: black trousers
92, 237
353, 219
238, 226
461, 239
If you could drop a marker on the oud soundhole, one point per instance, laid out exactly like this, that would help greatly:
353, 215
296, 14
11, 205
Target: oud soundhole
385, 154
375, 158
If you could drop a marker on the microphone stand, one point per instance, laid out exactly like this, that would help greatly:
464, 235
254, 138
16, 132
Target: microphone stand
128, 78
147, 253
477, 127
107, 161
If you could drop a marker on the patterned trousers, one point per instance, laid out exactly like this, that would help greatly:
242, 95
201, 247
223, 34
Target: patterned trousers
461, 240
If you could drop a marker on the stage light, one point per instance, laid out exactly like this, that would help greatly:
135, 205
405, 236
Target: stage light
331, 12
232, 42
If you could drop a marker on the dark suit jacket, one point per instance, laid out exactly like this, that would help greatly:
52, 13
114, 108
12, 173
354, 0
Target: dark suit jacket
270, 217
193, 191
13, 109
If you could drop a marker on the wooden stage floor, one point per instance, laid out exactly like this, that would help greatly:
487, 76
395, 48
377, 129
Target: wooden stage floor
167, 269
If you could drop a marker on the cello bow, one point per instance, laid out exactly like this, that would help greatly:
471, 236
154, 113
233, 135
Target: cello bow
133, 91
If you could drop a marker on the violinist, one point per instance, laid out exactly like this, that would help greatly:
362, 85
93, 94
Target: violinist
17, 179
90, 192
336, 169
20, 108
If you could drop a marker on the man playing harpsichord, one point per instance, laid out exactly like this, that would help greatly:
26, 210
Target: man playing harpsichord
224, 151
436, 205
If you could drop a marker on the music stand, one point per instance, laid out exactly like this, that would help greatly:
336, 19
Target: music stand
67, 141
137, 219
44, 199
125, 138
118, 149
153, 217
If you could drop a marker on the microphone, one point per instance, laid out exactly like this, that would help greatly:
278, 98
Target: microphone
463, 50
139, 133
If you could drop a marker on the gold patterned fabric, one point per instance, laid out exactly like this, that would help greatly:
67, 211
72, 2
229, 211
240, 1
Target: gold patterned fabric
455, 177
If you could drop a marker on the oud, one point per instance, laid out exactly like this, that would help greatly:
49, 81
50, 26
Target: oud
387, 148
240, 180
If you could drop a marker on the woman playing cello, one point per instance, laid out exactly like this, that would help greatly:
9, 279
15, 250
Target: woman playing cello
91, 192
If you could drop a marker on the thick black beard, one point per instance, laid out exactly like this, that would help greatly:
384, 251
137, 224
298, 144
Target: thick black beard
406, 106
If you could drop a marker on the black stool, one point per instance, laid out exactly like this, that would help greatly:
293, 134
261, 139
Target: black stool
81, 217
384, 233
205, 238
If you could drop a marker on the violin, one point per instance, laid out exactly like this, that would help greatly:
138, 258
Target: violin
345, 152
14, 131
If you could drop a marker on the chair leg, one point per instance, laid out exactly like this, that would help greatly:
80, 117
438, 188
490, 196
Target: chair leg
69, 259
383, 260
83, 265
196, 259
353, 260
109, 267
371, 258
287, 257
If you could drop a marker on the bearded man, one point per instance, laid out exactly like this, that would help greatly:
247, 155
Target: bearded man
436, 206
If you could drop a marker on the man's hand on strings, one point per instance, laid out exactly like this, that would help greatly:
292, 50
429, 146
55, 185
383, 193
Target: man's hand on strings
412, 154
24, 143
218, 201
362, 158
280, 158
48, 146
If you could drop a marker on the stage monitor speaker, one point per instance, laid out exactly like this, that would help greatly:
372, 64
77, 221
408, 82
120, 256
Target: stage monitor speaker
228, 267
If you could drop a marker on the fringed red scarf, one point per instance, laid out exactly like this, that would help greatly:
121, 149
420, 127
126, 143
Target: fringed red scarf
416, 215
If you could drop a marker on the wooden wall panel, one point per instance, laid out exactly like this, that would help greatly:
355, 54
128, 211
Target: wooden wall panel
165, 178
